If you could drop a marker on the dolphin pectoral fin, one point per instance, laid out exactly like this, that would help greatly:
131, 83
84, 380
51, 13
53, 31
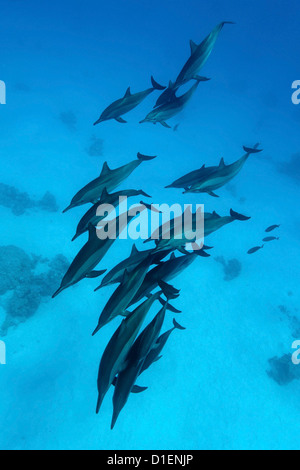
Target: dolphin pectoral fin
198, 78
94, 274
211, 193
138, 389
237, 216
121, 120
163, 123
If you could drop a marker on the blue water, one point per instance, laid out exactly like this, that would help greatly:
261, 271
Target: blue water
63, 63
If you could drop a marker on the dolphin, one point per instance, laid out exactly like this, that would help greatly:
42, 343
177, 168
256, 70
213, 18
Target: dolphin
91, 254
135, 360
191, 178
113, 359
154, 354
199, 56
123, 295
218, 176
116, 274
127, 103
165, 271
212, 223
171, 108
108, 179
113, 200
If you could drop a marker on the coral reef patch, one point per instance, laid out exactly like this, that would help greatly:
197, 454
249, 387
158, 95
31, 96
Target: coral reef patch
20, 202
232, 268
282, 370
26, 280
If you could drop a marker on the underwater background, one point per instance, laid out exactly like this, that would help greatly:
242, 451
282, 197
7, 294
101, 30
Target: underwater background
227, 382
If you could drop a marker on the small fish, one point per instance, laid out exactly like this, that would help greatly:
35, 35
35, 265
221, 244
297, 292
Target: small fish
255, 249
270, 239
273, 227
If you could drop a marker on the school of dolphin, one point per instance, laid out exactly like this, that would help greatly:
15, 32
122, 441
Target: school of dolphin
143, 279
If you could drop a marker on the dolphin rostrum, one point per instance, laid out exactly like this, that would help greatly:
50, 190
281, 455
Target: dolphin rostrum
212, 178
108, 179
92, 217
113, 359
127, 103
171, 108
92, 253
135, 360
198, 58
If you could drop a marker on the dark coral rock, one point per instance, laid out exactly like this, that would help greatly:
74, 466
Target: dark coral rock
283, 371
48, 203
15, 268
232, 268
20, 202
291, 168
18, 275
96, 147
69, 119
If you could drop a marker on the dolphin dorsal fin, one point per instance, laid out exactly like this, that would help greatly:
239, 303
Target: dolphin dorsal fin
202, 168
128, 92
104, 195
125, 276
216, 215
172, 256
134, 250
222, 163
193, 46
92, 232
105, 169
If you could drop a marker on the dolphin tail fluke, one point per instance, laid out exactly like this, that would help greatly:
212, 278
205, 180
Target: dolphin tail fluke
169, 306
177, 326
237, 216
156, 85
251, 150
145, 158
